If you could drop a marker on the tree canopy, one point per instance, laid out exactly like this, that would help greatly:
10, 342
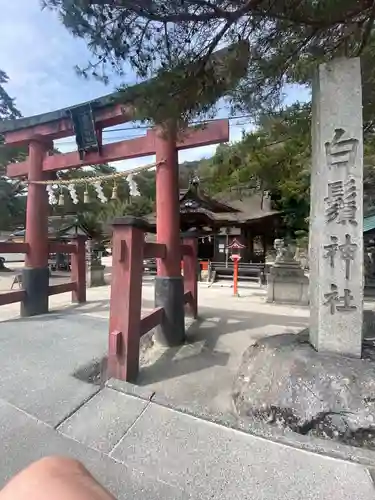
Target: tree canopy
96, 216
277, 158
285, 38
12, 205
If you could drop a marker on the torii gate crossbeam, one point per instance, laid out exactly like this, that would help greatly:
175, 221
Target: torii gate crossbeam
213, 132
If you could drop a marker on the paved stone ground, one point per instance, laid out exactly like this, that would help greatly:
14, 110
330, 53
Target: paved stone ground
150, 444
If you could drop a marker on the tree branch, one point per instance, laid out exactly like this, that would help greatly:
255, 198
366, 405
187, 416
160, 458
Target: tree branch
250, 7
367, 30
167, 44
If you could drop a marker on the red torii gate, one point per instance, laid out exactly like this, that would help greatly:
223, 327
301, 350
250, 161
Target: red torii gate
38, 133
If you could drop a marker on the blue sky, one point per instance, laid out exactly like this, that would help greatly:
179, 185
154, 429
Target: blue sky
39, 55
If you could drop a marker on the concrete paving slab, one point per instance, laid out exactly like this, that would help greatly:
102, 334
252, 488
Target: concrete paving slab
198, 377
211, 461
25, 440
38, 358
132, 389
39, 355
101, 423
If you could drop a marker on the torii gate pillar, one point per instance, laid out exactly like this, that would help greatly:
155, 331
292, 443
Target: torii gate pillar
35, 274
169, 286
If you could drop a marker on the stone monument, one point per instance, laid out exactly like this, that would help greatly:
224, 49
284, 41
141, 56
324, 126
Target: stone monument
95, 273
283, 380
286, 282
336, 217
94, 267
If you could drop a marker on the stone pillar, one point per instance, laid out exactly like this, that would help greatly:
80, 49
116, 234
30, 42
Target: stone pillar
169, 286
35, 275
191, 272
95, 272
336, 217
94, 269
78, 274
287, 283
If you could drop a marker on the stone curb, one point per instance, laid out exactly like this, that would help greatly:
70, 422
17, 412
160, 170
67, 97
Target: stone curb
257, 429
371, 472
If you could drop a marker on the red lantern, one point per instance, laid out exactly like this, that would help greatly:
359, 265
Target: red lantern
235, 248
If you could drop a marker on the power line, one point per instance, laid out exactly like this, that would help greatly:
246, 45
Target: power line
198, 122
120, 138
145, 127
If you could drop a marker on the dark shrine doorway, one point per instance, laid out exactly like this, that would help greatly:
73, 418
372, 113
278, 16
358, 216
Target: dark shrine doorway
206, 248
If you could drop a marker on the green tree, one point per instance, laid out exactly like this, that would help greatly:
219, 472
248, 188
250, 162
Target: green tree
8, 108
146, 184
369, 176
12, 203
95, 216
285, 38
275, 158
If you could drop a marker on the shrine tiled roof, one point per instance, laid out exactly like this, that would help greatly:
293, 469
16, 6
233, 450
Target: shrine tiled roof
60, 226
246, 207
225, 208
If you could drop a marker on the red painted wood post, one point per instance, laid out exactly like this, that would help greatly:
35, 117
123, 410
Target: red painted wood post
35, 274
167, 202
190, 273
36, 234
78, 272
235, 277
169, 288
126, 297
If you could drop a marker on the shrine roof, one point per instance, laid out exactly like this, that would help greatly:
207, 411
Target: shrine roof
224, 207
246, 206
60, 227
207, 202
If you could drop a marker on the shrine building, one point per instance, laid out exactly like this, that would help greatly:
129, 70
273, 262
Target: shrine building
245, 216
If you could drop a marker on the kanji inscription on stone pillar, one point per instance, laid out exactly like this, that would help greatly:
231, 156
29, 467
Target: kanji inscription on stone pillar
336, 219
